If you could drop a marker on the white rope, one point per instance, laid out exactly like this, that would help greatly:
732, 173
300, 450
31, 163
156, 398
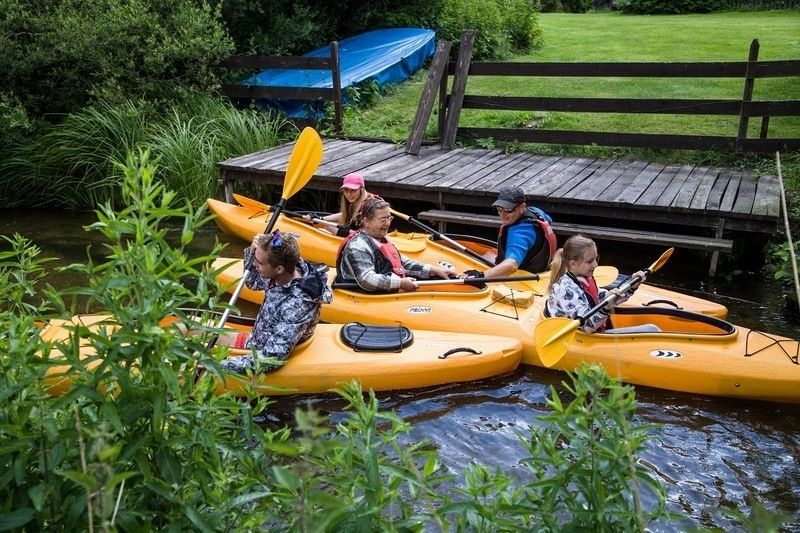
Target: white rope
788, 231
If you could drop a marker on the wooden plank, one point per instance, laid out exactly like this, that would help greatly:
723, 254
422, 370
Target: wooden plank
459, 87
599, 232
701, 195
598, 166
633, 192
746, 195
465, 168
718, 190
425, 163
747, 95
624, 181
591, 188
605, 105
671, 191
547, 178
684, 197
657, 185
359, 160
535, 169
731, 191
486, 179
543, 186
434, 172
767, 189
425, 106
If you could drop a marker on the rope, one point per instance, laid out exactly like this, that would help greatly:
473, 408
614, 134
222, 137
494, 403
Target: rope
786, 224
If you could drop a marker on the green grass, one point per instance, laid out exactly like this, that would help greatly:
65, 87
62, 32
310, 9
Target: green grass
615, 37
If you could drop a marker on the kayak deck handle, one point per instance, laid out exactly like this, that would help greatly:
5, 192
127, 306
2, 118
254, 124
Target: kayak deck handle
667, 302
456, 350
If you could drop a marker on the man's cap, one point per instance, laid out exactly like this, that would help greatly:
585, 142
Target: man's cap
352, 181
509, 198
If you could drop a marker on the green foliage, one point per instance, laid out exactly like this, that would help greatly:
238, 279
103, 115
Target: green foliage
500, 27
60, 56
577, 6
76, 163
673, 7
586, 462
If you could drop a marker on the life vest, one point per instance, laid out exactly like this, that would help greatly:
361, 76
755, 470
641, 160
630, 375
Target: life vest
592, 292
538, 257
388, 258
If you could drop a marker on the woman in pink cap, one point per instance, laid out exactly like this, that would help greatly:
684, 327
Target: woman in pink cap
352, 196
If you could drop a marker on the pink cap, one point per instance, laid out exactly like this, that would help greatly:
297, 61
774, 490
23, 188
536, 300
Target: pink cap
352, 181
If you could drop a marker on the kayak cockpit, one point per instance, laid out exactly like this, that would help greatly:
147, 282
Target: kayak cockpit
671, 321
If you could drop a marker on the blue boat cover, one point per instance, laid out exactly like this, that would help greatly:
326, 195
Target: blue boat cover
386, 56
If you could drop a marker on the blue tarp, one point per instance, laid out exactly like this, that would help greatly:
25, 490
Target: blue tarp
386, 56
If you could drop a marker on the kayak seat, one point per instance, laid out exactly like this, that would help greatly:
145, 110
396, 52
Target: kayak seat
369, 338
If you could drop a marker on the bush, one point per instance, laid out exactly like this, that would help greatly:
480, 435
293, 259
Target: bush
672, 7
577, 6
60, 56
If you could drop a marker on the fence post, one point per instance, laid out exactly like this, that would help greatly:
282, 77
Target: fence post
747, 95
336, 78
425, 107
459, 87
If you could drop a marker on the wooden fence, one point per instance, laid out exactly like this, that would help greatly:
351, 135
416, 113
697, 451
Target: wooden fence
259, 62
451, 104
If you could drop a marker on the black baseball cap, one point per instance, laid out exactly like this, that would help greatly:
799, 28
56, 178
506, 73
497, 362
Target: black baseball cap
509, 198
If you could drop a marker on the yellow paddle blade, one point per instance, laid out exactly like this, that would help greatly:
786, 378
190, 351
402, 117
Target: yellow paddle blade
658, 263
250, 203
305, 158
605, 275
399, 214
552, 336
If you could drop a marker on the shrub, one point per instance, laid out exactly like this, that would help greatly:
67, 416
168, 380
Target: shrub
521, 20
673, 7
577, 6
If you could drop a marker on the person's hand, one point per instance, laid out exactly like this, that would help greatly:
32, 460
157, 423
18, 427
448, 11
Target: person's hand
408, 284
472, 273
637, 279
442, 272
254, 244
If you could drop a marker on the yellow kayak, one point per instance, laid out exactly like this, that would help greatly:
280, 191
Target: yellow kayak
320, 246
696, 353
371, 356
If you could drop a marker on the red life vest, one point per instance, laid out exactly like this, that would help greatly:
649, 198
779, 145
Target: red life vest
538, 257
589, 286
387, 251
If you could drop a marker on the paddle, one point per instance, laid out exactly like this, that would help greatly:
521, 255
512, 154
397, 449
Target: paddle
553, 335
313, 220
455, 244
305, 158
456, 281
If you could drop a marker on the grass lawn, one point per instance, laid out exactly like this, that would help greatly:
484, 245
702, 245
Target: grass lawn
615, 37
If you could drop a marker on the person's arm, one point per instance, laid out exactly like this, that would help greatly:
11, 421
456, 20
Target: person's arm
506, 268
253, 281
521, 238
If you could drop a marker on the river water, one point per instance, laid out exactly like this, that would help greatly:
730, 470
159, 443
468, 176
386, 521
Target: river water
710, 453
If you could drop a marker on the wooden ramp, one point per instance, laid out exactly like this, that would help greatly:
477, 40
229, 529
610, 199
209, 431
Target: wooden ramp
697, 200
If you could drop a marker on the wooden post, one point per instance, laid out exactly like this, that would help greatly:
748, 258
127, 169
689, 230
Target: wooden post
336, 75
442, 104
747, 96
764, 127
712, 268
425, 107
459, 87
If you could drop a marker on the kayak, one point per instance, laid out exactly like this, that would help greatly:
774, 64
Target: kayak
695, 353
320, 246
379, 358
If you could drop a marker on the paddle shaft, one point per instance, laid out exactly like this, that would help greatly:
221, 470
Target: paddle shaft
457, 245
457, 281
295, 214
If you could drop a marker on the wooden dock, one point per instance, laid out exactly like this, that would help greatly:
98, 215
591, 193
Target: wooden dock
684, 195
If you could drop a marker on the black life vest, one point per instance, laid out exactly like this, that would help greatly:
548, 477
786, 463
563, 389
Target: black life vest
538, 257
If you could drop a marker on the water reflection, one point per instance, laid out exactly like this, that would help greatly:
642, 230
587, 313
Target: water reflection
710, 453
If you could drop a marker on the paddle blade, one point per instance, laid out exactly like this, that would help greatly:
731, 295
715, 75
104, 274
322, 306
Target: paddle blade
605, 275
305, 158
552, 337
661, 260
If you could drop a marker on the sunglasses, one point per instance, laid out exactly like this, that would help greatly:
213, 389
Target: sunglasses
277, 240
502, 210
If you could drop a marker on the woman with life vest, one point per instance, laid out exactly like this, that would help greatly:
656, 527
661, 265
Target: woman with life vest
370, 260
526, 240
573, 289
352, 195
